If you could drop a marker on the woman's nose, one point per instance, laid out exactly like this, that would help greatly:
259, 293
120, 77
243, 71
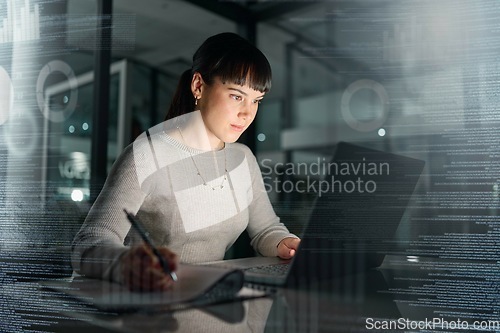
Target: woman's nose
246, 111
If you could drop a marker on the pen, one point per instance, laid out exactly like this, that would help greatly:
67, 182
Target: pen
138, 226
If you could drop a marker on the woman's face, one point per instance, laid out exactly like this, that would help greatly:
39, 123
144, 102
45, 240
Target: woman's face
227, 110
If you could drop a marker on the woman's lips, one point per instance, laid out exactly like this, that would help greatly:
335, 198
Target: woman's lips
237, 128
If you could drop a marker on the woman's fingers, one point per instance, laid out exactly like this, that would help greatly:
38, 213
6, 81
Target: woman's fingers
142, 271
170, 257
288, 247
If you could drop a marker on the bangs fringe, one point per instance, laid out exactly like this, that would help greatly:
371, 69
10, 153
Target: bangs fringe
245, 66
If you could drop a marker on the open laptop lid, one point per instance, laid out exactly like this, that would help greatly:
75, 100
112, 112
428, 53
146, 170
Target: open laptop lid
360, 202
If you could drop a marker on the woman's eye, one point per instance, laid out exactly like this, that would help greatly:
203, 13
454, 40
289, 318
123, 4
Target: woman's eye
258, 101
236, 97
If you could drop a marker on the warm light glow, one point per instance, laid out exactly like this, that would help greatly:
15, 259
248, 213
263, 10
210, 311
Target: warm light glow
77, 195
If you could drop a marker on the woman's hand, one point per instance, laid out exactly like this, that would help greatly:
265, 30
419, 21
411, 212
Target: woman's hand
287, 247
142, 271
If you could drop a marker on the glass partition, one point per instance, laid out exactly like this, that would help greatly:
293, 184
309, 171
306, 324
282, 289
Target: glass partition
412, 78
68, 142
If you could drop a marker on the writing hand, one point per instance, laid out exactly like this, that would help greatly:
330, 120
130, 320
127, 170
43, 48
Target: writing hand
142, 271
287, 247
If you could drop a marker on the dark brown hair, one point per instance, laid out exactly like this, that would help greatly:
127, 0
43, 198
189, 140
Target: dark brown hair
229, 57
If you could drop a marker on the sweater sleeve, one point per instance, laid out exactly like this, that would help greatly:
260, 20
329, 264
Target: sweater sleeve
264, 227
100, 241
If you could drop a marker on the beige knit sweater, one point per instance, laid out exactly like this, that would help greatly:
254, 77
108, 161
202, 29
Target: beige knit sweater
158, 179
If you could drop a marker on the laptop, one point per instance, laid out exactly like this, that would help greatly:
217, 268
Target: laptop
357, 211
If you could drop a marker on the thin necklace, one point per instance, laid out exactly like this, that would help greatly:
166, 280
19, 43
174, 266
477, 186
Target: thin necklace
221, 186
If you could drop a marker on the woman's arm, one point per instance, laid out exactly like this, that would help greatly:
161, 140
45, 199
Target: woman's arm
264, 227
99, 243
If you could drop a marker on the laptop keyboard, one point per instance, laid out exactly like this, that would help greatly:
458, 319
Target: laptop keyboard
275, 270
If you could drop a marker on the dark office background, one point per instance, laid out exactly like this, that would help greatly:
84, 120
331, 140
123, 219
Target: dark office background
417, 78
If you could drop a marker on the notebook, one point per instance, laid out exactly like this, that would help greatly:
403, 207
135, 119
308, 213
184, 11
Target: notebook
197, 285
353, 222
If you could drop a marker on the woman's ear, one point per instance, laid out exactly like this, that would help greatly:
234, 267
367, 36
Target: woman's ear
197, 85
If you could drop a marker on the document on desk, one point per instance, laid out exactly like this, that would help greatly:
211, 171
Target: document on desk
196, 285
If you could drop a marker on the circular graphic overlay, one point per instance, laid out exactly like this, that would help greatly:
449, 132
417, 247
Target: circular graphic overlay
61, 114
22, 136
360, 125
6, 95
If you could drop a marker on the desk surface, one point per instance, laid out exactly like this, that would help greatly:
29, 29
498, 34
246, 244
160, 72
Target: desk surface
406, 294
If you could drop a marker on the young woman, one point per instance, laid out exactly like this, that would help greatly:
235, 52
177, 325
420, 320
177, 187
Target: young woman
192, 186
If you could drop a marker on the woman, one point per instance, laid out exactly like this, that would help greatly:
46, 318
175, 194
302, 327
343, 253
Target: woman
191, 185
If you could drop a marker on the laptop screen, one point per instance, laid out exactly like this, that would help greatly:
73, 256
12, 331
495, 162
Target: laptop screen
362, 197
